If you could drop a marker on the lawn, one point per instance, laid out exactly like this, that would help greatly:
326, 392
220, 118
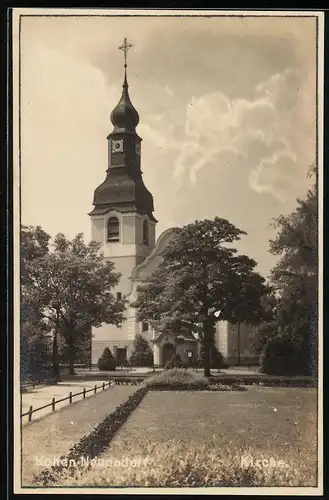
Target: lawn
53, 435
199, 438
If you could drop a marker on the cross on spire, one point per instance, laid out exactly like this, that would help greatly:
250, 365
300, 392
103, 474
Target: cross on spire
125, 47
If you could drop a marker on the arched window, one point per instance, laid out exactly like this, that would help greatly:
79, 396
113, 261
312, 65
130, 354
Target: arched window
113, 229
145, 232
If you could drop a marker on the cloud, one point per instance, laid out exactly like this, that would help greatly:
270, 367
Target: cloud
259, 132
275, 175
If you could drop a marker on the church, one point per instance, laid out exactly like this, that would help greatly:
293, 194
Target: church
123, 221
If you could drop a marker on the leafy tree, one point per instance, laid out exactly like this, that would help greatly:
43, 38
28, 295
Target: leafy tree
142, 354
72, 287
295, 280
34, 244
202, 274
34, 332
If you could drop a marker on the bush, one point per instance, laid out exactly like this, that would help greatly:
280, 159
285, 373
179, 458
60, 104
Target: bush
106, 361
279, 357
142, 354
177, 379
217, 360
175, 362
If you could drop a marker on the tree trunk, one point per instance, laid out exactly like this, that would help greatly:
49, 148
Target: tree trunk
71, 352
56, 371
207, 337
71, 363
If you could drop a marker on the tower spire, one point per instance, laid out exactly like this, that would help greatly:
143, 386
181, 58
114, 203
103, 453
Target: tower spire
125, 116
125, 47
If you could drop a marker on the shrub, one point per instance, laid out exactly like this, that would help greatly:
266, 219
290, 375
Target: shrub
217, 360
107, 361
279, 357
142, 354
175, 362
177, 379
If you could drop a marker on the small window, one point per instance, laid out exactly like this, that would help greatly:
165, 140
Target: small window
145, 232
113, 229
145, 326
119, 295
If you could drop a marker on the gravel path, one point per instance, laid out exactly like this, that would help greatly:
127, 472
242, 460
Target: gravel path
52, 437
43, 395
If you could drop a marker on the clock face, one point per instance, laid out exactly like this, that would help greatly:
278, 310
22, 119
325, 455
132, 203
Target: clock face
117, 146
138, 148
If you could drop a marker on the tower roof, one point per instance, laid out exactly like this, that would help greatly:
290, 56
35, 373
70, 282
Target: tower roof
124, 117
123, 189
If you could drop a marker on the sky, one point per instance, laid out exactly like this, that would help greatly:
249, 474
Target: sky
227, 116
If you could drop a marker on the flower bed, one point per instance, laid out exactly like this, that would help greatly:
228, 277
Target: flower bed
264, 380
127, 381
225, 379
177, 379
94, 443
182, 380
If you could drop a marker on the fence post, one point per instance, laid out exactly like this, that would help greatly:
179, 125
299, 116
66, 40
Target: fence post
95, 389
84, 393
103, 386
70, 397
53, 404
30, 413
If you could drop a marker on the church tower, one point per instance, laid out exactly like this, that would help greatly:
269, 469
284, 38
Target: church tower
122, 218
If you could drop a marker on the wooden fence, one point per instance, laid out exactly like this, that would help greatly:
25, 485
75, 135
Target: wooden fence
69, 397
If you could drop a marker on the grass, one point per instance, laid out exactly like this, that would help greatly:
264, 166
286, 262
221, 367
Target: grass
199, 439
177, 464
55, 434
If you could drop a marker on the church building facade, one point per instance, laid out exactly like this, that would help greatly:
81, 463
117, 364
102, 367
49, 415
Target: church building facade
123, 221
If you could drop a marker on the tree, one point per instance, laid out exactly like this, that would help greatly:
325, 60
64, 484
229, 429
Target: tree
34, 331
295, 280
202, 274
72, 286
142, 354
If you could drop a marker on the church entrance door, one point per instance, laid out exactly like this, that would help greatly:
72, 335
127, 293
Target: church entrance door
168, 350
121, 356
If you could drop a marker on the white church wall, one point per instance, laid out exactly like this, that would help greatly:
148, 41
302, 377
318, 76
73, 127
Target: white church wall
97, 229
129, 230
221, 337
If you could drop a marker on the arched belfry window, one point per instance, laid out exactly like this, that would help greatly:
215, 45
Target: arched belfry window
113, 228
145, 232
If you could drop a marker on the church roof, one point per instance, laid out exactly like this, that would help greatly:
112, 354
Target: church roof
144, 270
185, 336
121, 191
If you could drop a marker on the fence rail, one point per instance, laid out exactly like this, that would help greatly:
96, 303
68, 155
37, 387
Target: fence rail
69, 397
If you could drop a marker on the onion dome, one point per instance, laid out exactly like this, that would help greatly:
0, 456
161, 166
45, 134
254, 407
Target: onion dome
124, 116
